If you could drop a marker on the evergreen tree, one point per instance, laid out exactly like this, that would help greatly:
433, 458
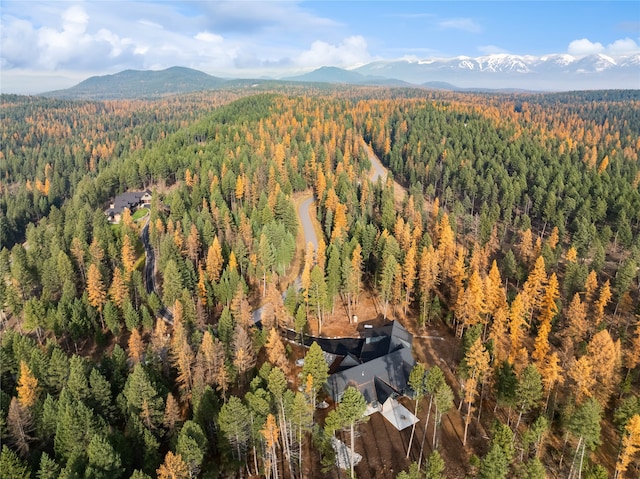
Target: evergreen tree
104, 461
349, 412
494, 465
12, 466
192, 446
315, 366
234, 424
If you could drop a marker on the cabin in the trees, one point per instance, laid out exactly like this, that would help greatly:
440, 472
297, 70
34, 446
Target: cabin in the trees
379, 368
131, 200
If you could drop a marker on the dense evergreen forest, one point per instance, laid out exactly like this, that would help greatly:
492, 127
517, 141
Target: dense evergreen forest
512, 233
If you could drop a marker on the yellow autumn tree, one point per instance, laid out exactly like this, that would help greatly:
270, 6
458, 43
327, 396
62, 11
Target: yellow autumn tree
590, 287
27, 387
173, 467
498, 335
128, 256
517, 325
534, 286
214, 260
409, 273
118, 292
581, 374
525, 247
275, 350
630, 445
605, 359
136, 347
495, 297
551, 373
95, 288
576, 317
193, 243
601, 303
270, 432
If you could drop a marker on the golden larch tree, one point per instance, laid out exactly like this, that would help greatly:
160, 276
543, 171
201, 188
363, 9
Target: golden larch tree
244, 357
409, 270
495, 297
214, 260
541, 344
549, 306
590, 287
630, 445
576, 316
95, 251
554, 237
118, 291
517, 325
275, 350
136, 347
601, 303
173, 467
457, 273
446, 243
470, 393
172, 415
95, 288
202, 284
533, 288
525, 247
605, 359
581, 374
27, 387
551, 373
270, 433
498, 334
128, 256
193, 244
572, 255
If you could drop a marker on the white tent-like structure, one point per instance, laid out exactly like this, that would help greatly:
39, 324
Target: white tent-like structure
397, 414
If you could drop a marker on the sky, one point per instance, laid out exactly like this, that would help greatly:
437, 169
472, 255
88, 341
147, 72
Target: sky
48, 45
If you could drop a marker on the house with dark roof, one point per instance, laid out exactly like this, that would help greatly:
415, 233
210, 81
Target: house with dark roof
131, 200
379, 368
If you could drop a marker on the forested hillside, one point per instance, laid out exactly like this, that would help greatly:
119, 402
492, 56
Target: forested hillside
513, 239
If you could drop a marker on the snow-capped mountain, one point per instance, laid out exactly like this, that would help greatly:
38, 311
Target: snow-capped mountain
555, 72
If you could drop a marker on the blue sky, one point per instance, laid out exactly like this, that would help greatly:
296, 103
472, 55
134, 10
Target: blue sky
55, 44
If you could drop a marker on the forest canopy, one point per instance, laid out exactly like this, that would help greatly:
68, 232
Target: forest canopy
508, 223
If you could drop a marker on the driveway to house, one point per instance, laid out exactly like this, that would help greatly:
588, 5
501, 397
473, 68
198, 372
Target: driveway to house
307, 223
379, 171
150, 270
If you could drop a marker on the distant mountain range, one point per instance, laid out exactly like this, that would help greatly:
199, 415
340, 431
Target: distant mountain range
491, 72
499, 71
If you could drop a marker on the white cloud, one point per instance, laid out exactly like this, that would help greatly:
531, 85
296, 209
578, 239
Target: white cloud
584, 47
464, 24
350, 52
623, 46
209, 37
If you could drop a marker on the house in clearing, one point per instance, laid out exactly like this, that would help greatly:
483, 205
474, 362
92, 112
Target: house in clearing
379, 369
131, 200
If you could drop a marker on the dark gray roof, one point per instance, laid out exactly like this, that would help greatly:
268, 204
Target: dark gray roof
392, 369
130, 199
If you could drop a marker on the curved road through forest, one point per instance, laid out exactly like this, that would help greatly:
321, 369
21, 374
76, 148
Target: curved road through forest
378, 170
150, 271
307, 223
